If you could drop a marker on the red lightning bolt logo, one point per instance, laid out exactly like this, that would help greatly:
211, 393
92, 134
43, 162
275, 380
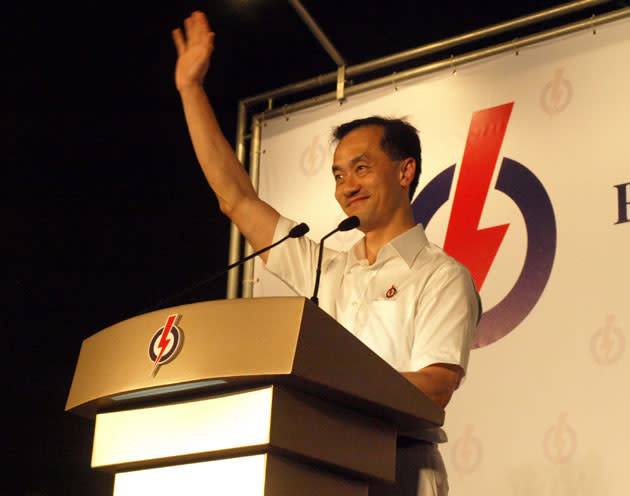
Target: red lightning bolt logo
164, 340
476, 248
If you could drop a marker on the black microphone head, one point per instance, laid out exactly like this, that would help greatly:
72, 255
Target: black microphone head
299, 230
349, 223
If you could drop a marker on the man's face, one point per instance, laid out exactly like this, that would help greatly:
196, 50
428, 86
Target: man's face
367, 182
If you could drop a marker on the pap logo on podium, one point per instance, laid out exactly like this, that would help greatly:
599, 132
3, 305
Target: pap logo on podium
165, 343
476, 248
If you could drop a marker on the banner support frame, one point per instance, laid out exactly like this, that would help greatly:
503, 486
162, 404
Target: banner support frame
268, 97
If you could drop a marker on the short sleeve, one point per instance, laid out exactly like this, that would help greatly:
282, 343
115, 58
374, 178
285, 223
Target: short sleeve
295, 260
446, 318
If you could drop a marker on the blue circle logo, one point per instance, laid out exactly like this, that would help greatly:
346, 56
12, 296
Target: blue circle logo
476, 248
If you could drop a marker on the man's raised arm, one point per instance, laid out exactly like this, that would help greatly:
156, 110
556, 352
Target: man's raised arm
228, 179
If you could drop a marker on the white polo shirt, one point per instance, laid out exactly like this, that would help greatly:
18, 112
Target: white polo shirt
414, 306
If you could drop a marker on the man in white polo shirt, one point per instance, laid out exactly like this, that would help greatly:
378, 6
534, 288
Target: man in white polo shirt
402, 296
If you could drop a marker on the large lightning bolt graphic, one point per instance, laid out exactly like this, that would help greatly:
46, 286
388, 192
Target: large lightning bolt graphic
164, 340
474, 247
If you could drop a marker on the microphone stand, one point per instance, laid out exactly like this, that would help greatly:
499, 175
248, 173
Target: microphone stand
344, 225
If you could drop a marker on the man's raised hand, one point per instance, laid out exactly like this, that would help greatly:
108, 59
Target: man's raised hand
193, 51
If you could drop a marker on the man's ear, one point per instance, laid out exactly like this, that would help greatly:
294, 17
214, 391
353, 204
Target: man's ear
407, 171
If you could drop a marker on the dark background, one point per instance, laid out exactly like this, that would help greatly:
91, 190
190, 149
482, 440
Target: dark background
104, 208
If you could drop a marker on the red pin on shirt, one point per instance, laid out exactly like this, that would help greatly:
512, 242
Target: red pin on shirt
391, 291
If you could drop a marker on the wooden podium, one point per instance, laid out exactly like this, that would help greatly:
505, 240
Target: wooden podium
263, 396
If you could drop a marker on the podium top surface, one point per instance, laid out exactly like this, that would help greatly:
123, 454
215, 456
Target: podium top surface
231, 344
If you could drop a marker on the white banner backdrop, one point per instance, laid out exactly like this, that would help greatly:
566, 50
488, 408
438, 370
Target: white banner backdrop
544, 408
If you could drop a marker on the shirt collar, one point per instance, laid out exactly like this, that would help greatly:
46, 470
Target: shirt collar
410, 243
407, 246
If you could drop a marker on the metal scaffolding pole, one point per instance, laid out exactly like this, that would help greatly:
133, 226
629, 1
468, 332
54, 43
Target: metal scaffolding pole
317, 32
254, 162
455, 61
425, 50
235, 235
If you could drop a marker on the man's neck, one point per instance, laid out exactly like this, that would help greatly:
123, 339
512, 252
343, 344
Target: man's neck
377, 238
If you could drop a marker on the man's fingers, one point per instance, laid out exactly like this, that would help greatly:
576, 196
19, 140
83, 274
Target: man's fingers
196, 31
180, 43
199, 27
202, 21
188, 29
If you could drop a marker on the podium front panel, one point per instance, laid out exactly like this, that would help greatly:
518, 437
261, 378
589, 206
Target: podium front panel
227, 345
270, 419
257, 475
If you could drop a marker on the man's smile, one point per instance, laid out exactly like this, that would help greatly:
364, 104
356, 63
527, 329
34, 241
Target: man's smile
355, 201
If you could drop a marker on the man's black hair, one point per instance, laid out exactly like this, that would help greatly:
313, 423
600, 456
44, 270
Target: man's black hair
400, 140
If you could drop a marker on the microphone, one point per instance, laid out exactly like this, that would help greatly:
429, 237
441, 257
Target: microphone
345, 225
297, 232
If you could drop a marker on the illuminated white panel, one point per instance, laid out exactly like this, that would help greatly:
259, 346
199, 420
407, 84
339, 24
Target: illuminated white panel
212, 424
235, 476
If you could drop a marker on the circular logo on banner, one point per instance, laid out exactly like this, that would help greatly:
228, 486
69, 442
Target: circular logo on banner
467, 452
556, 94
165, 343
313, 157
560, 442
608, 343
476, 248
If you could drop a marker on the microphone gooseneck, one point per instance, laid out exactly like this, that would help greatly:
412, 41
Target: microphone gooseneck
345, 225
297, 232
